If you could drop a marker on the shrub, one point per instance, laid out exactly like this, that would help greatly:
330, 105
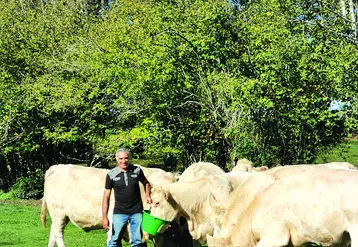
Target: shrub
30, 187
6, 195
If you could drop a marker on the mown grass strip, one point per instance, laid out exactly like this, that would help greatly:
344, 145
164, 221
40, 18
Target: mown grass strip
21, 227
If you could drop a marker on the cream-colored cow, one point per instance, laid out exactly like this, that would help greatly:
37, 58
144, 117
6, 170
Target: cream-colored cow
245, 165
74, 193
315, 207
242, 196
188, 198
157, 175
236, 178
281, 172
200, 170
239, 199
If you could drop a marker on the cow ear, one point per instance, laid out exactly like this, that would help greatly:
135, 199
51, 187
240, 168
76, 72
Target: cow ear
161, 191
156, 188
165, 194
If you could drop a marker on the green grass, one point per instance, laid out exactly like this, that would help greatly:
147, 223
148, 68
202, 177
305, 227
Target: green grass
20, 226
345, 152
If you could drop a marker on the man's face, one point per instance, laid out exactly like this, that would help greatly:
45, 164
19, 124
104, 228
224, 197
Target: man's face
123, 160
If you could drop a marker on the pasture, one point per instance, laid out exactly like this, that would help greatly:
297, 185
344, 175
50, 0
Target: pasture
21, 227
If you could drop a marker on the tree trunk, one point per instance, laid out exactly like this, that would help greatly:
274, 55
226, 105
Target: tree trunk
343, 7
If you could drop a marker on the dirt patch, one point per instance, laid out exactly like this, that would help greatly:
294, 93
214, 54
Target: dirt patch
34, 203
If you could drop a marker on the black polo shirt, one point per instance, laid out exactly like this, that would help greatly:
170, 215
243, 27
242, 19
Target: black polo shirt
126, 189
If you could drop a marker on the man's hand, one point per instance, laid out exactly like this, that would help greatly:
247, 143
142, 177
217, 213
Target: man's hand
149, 200
105, 223
105, 206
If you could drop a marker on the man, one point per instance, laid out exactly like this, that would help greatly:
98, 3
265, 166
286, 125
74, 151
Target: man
124, 180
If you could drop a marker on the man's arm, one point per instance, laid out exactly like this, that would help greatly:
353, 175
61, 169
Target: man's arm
147, 186
105, 206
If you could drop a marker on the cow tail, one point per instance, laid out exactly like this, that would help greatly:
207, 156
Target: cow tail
43, 211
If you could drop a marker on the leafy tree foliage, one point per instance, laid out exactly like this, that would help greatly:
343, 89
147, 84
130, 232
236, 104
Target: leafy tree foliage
176, 81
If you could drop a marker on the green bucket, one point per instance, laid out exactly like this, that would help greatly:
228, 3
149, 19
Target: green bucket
153, 225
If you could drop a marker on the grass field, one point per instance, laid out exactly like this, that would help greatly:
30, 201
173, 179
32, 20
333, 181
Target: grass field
20, 226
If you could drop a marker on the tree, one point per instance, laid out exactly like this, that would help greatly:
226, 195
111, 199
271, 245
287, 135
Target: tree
176, 81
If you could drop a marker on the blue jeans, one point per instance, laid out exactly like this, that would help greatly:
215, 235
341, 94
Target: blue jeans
119, 222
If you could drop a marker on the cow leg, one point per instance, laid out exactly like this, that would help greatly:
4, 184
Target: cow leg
353, 233
52, 240
56, 234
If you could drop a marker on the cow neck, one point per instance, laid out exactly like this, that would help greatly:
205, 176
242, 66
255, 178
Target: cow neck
242, 231
174, 200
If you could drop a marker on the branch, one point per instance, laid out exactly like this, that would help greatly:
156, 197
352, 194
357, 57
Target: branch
348, 37
70, 158
6, 129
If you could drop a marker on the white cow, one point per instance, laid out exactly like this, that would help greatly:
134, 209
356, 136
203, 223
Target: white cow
188, 199
315, 207
245, 165
242, 165
240, 198
236, 178
200, 170
243, 194
158, 175
281, 172
74, 193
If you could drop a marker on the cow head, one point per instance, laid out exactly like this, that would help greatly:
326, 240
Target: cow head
163, 204
217, 211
